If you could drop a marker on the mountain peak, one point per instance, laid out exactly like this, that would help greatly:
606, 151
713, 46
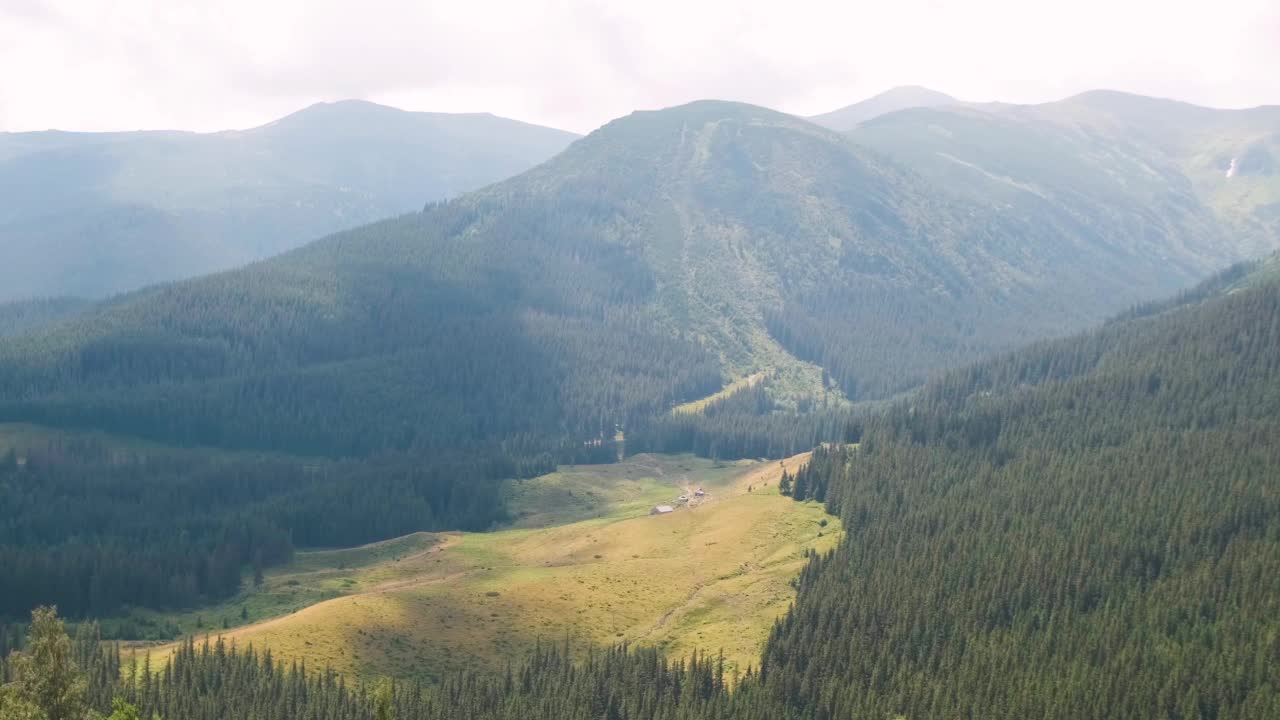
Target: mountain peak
337, 111
710, 109
646, 135
902, 97
915, 92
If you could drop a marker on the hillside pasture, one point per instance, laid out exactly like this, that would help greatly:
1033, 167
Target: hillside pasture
584, 562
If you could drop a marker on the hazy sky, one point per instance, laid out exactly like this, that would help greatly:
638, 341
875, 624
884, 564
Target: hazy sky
129, 64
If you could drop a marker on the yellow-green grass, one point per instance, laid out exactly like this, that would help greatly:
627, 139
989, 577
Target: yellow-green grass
697, 406
712, 576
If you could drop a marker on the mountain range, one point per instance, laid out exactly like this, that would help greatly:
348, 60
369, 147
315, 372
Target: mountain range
904, 97
664, 255
981, 335
94, 214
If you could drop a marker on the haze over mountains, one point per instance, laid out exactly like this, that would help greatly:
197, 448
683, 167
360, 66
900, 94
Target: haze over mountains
664, 255
93, 214
980, 335
903, 97
1096, 147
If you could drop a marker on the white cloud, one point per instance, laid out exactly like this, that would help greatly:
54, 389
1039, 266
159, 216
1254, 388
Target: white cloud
125, 64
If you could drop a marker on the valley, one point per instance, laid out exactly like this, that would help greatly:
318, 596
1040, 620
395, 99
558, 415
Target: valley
583, 562
920, 408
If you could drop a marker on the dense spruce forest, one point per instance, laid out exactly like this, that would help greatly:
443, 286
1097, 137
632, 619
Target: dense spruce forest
451, 347
20, 317
98, 529
745, 424
1089, 528
421, 360
58, 677
648, 264
1083, 528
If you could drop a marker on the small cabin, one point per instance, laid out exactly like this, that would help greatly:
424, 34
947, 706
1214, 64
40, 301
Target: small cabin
661, 510
699, 492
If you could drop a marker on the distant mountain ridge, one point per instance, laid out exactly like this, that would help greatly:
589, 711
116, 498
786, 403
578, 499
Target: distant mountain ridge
92, 214
903, 97
1231, 158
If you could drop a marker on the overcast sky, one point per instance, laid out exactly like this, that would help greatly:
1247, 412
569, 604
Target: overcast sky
575, 64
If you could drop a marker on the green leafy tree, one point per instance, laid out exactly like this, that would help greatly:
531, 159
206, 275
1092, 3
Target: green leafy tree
121, 710
46, 676
13, 706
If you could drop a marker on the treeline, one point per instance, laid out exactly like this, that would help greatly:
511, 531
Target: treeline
1086, 529
217, 681
876, 343
813, 480
745, 424
95, 528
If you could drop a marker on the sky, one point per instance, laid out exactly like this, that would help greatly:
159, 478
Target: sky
575, 64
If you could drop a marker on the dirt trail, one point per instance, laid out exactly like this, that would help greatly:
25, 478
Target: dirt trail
756, 477
671, 612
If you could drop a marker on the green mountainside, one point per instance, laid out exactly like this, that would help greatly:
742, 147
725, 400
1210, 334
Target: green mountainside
1230, 157
92, 214
650, 263
1094, 521
1087, 528
1107, 162
23, 316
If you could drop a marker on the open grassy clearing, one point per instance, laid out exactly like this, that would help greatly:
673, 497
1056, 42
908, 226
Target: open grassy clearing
696, 406
584, 561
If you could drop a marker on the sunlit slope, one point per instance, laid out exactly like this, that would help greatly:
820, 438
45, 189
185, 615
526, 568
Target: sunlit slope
712, 576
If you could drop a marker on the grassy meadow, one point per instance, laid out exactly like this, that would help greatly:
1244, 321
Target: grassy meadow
583, 560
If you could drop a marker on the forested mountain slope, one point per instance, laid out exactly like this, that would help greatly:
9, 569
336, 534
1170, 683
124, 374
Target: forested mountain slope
644, 266
23, 316
91, 214
1088, 528
1105, 161
1230, 157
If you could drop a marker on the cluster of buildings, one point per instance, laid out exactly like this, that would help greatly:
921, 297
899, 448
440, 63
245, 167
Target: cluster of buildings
664, 509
